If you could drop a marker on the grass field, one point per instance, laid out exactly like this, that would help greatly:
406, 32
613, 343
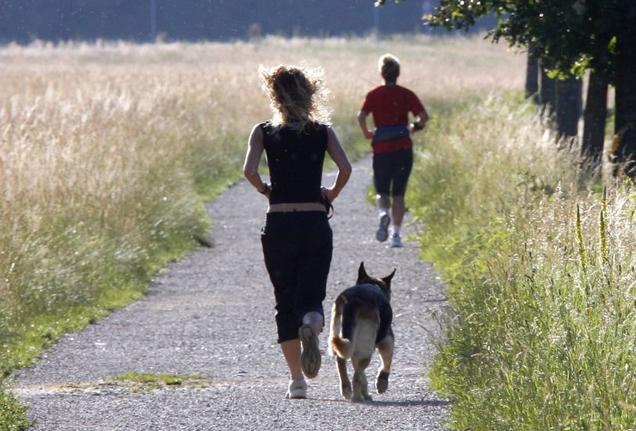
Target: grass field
541, 268
107, 152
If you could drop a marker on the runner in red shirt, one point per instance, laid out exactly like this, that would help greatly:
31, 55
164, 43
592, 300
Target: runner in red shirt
390, 105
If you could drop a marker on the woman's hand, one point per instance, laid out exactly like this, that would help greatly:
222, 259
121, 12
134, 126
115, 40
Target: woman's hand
368, 134
328, 193
266, 190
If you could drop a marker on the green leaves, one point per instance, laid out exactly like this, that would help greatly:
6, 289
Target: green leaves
568, 37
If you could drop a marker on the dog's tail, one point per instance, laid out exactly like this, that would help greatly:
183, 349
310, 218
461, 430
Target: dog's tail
338, 345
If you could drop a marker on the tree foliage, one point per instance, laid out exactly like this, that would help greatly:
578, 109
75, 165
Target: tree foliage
569, 36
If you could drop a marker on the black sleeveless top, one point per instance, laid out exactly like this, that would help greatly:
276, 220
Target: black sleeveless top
295, 162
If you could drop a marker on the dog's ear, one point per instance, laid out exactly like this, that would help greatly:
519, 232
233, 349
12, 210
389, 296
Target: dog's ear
387, 279
362, 273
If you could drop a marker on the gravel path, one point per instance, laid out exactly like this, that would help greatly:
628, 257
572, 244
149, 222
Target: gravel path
212, 314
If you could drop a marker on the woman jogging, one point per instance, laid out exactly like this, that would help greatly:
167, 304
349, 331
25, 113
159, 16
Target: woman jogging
390, 105
297, 238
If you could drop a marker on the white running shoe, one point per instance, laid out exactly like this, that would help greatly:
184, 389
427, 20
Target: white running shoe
297, 389
383, 230
396, 241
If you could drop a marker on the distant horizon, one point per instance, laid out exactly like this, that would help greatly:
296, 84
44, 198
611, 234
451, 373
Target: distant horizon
272, 37
23, 21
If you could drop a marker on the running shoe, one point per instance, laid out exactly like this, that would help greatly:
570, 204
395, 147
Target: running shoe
310, 356
396, 241
383, 230
297, 389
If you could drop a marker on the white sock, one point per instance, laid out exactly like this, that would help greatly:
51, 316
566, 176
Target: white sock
315, 320
395, 229
382, 211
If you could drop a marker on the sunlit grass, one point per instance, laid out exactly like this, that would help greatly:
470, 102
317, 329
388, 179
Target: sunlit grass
12, 414
542, 276
147, 382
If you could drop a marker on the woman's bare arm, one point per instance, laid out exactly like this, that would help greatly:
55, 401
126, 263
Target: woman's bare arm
252, 160
339, 157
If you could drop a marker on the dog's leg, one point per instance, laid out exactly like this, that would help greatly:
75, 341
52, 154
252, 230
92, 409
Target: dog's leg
385, 348
365, 388
360, 389
357, 386
345, 384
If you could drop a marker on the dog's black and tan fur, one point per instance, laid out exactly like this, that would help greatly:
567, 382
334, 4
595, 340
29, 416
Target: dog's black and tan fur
361, 322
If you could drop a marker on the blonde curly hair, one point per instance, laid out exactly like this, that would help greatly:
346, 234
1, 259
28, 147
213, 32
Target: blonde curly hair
297, 96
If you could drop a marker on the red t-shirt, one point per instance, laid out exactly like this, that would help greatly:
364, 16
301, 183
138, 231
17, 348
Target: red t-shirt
390, 106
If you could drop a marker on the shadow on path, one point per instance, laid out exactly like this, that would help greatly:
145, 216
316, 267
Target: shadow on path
411, 403
394, 403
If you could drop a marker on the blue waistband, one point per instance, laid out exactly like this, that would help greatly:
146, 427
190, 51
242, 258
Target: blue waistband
390, 133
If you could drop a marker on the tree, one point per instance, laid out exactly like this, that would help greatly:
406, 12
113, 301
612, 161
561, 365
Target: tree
568, 106
547, 92
625, 120
594, 120
532, 76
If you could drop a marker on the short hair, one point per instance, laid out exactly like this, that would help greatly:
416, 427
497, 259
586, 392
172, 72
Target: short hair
389, 66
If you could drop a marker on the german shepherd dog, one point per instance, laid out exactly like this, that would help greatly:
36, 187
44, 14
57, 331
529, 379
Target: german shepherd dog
361, 322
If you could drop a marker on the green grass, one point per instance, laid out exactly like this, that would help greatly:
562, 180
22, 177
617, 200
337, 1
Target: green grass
540, 270
12, 413
146, 382
155, 378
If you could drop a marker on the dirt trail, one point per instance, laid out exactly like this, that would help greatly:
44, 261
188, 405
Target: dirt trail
212, 314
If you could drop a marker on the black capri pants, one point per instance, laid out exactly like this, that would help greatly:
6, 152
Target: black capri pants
391, 171
297, 247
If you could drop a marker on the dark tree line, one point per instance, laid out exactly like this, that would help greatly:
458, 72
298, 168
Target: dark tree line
142, 20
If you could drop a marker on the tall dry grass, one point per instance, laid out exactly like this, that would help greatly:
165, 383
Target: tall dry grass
541, 329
